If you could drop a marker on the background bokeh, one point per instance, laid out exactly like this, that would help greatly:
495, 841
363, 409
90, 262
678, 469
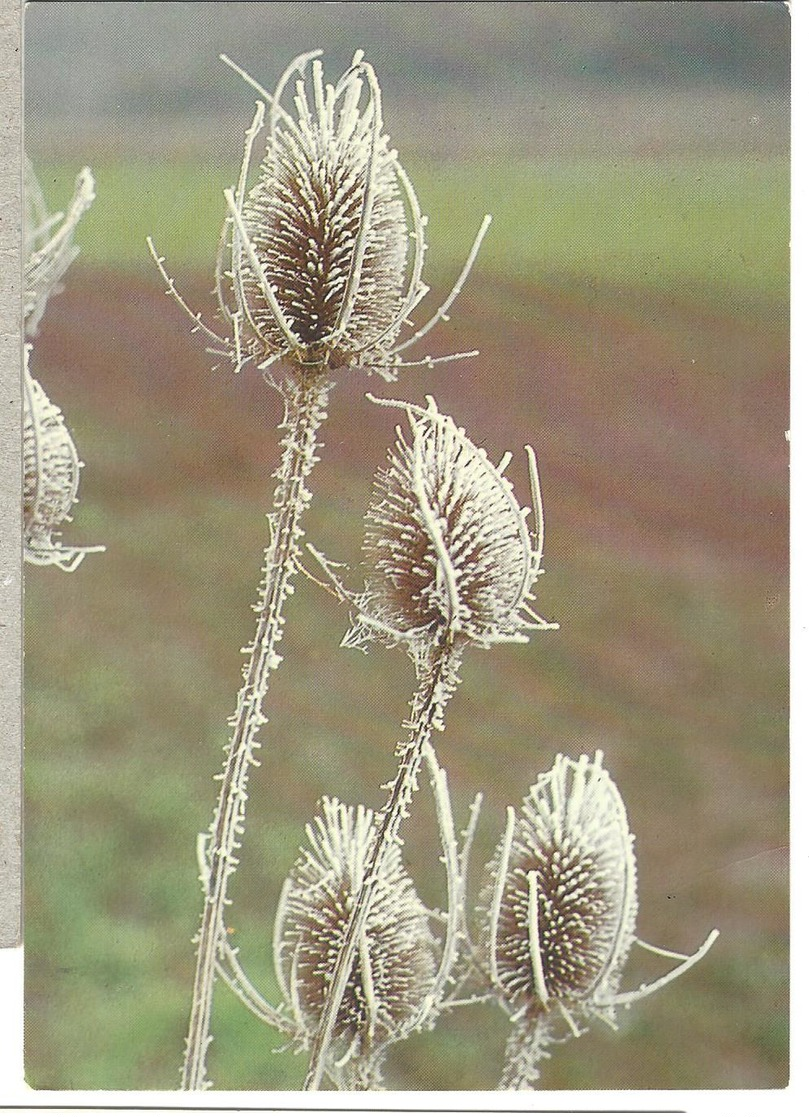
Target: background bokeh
630, 308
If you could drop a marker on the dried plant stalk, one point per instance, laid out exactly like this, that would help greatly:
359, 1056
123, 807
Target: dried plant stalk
320, 265
397, 963
450, 563
305, 398
430, 699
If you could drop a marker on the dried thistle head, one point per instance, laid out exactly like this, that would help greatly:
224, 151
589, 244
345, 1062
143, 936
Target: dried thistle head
448, 552
50, 479
48, 248
326, 249
559, 914
397, 961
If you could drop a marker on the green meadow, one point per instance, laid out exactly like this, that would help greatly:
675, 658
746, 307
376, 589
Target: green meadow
714, 228
631, 317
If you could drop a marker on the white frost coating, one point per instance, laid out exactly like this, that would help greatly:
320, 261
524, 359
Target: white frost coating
50, 479
321, 260
558, 916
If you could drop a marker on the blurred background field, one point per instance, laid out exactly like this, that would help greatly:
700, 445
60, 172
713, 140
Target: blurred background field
630, 308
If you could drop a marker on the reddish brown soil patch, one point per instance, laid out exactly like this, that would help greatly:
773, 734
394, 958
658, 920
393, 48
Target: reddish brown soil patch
659, 429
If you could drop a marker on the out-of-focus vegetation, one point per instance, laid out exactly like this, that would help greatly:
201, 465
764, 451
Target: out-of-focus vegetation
162, 60
712, 229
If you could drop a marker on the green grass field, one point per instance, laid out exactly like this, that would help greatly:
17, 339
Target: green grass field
632, 323
714, 229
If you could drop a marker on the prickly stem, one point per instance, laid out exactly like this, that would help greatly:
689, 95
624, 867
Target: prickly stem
305, 397
437, 681
527, 1046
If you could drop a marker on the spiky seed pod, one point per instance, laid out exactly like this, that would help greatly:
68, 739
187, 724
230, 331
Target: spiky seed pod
50, 479
397, 961
48, 248
328, 223
448, 551
558, 916
321, 260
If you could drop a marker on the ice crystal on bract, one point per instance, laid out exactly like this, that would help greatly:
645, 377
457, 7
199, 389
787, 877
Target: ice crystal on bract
397, 961
448, 550
559, 914
50, 479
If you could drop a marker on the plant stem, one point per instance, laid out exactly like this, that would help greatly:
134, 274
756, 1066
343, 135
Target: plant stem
436, 684
527, 1046
305, 395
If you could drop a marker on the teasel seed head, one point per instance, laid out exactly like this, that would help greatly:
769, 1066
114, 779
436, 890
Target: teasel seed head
558, 916
50, 479
397, 961
448, 552
327, 248
48, 248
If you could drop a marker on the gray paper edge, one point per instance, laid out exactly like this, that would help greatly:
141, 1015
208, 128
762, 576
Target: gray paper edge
10, 475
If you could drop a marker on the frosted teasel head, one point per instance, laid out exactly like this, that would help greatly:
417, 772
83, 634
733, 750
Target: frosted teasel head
326, 249
48, 248
50, 479
397, 963
559, 914
449, 554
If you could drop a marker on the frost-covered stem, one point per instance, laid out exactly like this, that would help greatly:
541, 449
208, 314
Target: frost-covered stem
527, 1046
362, 1074
437, 680
305, 398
